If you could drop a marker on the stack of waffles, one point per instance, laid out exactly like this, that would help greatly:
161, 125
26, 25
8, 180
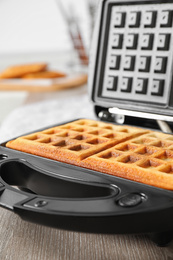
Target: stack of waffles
129, 152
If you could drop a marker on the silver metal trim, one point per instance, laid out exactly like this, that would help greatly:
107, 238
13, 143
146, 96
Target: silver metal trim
164, 126
115, 110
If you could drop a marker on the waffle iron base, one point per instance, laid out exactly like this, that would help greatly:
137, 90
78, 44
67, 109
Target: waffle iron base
65, 196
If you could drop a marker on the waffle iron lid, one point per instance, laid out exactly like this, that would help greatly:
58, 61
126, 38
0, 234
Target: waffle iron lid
131, 57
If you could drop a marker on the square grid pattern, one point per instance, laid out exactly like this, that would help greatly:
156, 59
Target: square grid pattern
147, 159
139, 53
150, 151
129, 152
76, 140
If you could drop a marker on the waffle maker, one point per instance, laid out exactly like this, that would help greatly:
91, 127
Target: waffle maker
130, 82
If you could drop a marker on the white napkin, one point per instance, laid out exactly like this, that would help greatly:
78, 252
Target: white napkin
46, 113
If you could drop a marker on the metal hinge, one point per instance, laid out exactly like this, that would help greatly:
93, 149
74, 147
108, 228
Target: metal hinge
105, 115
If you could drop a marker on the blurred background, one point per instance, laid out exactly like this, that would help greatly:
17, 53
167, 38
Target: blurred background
41, 27
43, 31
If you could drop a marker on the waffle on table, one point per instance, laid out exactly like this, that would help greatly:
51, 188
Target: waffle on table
130, 152
17, 71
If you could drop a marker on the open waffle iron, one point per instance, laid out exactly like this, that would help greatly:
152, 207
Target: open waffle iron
130, 83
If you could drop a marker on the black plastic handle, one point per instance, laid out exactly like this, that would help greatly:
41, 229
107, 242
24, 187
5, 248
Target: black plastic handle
43, 197
57, 200
37, 181
72, 214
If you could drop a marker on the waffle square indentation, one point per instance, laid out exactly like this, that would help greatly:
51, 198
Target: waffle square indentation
137, 49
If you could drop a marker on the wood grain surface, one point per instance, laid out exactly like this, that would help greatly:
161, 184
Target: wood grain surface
28, 241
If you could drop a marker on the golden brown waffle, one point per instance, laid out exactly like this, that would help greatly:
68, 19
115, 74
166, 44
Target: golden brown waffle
44, 75
18, 71
129, 152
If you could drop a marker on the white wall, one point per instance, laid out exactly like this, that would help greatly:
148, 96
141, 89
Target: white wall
38, 25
